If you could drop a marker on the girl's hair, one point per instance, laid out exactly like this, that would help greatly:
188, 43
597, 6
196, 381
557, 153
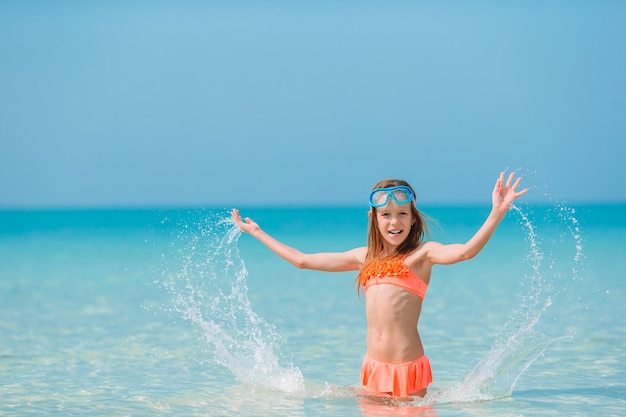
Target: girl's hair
419, 229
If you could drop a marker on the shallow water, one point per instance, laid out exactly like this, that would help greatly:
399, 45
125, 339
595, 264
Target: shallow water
173, 312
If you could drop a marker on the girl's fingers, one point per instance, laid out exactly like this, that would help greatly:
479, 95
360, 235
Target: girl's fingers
510, 180
499, 182
521, 192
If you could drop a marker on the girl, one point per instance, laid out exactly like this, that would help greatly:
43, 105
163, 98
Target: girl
395, 269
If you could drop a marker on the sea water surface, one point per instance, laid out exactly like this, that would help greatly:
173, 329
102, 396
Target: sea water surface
174, 312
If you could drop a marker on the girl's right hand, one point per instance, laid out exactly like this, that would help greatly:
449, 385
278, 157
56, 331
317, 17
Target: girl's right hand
247, 226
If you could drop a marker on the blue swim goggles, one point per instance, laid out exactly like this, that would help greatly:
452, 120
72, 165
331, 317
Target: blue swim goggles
401, 194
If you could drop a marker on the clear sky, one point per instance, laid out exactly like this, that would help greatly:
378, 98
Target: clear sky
179, 103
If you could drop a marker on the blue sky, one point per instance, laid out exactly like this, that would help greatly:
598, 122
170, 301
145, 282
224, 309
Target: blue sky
131, 103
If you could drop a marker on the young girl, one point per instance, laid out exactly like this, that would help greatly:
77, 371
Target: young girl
395, 269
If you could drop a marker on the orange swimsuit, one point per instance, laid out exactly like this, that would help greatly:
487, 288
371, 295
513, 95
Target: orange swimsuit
396, 379
394, 272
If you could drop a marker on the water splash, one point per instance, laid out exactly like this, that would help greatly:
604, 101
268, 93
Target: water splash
206, 278
520, 342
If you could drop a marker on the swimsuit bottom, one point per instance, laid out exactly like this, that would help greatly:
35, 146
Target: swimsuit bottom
396, 379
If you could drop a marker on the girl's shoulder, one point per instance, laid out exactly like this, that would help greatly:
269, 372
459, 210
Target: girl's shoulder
420, 252
361, 252
358, 253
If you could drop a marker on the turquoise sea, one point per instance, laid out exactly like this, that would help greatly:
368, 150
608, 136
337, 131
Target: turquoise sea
174, 312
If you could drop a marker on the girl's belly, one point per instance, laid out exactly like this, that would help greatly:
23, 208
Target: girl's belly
392, 316
394, 347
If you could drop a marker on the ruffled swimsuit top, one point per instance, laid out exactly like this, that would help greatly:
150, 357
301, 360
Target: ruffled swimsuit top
392, 272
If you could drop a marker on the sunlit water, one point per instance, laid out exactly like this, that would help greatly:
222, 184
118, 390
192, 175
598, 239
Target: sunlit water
175, 312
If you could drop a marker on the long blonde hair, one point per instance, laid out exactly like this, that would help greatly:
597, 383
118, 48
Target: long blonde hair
419, 229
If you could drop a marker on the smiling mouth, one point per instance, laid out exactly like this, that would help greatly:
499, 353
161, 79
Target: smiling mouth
395, 232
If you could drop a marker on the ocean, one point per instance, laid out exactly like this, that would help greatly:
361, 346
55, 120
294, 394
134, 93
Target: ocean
175, 312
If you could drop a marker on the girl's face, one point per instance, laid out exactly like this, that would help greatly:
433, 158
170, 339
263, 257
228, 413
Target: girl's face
394, 223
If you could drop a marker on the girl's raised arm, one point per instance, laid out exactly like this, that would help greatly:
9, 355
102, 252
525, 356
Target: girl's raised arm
327, 261
502, 198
